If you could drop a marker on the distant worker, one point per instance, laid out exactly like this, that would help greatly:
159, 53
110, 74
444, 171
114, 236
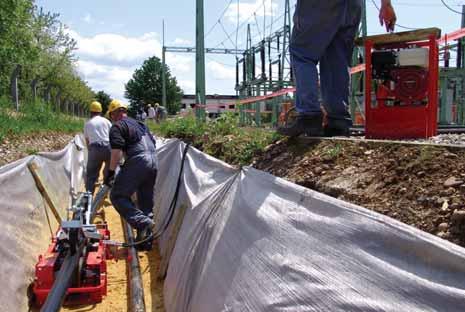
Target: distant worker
161, 112
143, 115
324, 33
96, 133
151, 112
132, 139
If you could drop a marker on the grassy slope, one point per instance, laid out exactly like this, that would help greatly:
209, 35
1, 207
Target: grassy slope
221, 138
33, 118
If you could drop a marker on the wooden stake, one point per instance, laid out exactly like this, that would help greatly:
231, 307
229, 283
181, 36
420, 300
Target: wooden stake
33, 168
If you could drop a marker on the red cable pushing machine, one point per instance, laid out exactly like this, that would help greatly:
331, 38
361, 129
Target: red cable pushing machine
401, 85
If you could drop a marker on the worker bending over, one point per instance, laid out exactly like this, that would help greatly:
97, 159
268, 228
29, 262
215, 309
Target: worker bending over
324, 34
96, 132
132, 139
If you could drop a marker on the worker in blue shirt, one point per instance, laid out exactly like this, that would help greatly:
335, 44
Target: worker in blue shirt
132, 139
324, 33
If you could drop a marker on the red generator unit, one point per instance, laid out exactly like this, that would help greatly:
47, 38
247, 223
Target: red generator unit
89, 284
401, 85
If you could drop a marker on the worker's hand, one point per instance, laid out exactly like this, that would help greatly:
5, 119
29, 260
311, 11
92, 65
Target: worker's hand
109, 178
387, 16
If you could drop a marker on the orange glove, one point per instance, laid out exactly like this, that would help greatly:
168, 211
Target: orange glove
387, 16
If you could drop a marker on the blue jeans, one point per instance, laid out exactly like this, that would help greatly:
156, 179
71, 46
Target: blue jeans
324, 33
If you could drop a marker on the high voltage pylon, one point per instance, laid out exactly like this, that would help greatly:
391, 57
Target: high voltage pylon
271, 52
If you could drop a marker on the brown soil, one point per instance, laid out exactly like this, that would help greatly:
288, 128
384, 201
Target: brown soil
422, 186
14, 148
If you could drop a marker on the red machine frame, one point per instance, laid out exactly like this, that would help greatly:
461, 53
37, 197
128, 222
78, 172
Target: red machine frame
402, 122
91, 290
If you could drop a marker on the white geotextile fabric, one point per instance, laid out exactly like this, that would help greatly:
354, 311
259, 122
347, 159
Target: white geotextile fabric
249, 242
25, 231
253, 242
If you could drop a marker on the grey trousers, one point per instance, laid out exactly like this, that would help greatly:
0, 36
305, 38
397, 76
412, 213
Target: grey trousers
98, 154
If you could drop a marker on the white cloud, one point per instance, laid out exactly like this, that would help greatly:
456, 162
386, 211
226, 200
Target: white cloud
108, 61
219, 71
106, 77
117, 47
247, 9
188, 86
182, 41
87, 18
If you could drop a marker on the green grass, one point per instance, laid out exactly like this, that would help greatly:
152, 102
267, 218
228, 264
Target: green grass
34, 117
221, 138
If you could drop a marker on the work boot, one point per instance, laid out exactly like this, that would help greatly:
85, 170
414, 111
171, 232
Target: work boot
333, 132
143, 235
304, 124
337, 127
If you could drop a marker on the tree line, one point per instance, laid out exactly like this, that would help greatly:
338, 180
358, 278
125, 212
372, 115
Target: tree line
37, 60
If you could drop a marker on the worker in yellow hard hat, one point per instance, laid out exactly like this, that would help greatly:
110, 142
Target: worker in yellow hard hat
160, 112
151, 113
132, 139
97, 135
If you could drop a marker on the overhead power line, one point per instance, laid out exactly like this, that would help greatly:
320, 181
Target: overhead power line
241, 25
219, 19
450, 9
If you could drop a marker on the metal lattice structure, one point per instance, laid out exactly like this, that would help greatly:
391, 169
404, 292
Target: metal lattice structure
271, 52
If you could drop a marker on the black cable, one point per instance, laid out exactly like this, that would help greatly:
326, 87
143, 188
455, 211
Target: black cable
450, 9
172, 207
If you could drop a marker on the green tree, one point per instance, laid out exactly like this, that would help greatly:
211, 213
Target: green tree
145, 86
104, 99
16, 19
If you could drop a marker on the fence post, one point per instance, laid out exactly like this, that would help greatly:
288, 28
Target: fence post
48, 94
34, 84
14, 86
57, 99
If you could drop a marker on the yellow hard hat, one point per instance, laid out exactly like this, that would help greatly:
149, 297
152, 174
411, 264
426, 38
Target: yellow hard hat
114, 105
156, 104
95, 107
150, 105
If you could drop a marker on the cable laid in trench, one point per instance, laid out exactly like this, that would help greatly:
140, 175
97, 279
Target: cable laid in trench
136, 289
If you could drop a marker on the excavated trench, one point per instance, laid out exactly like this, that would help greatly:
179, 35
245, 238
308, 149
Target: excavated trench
422, 186
118, 292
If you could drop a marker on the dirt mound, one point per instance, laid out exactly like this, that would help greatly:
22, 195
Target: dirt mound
422, 186
13, 149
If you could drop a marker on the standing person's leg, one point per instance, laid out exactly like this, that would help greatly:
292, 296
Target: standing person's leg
315, 23
106, 154
126, 183
334, 72
145, 194
94, 163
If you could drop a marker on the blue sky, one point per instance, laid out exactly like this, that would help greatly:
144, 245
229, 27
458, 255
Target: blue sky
115, 36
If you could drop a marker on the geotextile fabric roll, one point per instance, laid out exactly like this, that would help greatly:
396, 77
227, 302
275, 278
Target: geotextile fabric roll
25, 228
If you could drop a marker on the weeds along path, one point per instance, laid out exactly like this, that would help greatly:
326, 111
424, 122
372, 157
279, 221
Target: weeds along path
117, 297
